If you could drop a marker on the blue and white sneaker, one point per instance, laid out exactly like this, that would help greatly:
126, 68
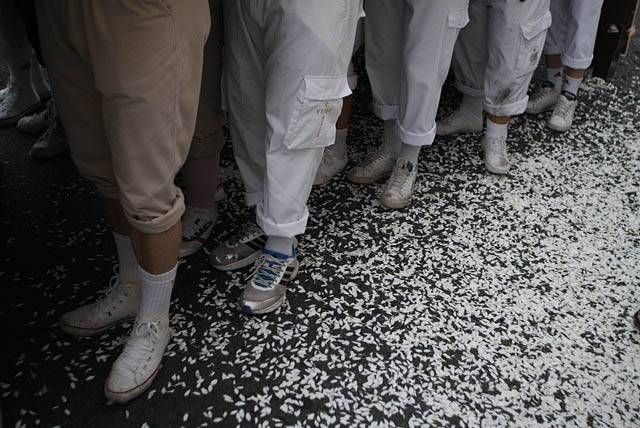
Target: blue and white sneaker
266, 289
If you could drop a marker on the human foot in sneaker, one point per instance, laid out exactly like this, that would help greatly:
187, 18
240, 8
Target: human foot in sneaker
543, 99
266, 288
138, 364
241, 250
375, 167
331, 165
119, 304
197, 225
39, 122
562, 117
399, 187
460, 121
20, 100
50, 144
495, 154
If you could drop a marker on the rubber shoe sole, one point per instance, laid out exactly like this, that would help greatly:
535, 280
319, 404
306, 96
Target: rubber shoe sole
240, 264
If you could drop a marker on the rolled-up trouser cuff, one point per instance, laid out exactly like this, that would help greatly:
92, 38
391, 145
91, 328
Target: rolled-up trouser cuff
161, 223
207, 146
385, 112
504, 110
415, 139
578, 64
253, 199
287, 230
468, 90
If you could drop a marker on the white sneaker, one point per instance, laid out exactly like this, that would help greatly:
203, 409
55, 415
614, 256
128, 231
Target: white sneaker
460, 121
118, 305
330, 166
545, 98
495, 154
375, 167
562, 117
140, 360
20, 100
197, 224
50, 144
39, 122
399, 188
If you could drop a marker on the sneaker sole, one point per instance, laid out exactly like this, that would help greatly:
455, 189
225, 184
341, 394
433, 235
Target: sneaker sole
496, 171
126, 396
240, 264
86, 332
10, 121
557, 128
396, 205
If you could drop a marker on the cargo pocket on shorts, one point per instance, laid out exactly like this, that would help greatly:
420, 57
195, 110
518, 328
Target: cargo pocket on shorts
458, 18
532, 44
314, 120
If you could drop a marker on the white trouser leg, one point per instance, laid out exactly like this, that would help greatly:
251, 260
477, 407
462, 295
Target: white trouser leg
470, 53
556, 41
583, 19
516, 35
244, 100
299, 55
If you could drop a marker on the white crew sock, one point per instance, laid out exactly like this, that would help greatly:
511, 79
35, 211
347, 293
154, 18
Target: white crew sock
127, 262
554, 76
280, 244
571, 85
472, 105
390, 143
410, 153
156, 293
340, 146
496, 130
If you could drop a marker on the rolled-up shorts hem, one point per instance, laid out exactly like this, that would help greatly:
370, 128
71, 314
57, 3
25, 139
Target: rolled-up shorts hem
512, 109
468, 90
578, 64
161, 223
414, 139
287, 230
385, 112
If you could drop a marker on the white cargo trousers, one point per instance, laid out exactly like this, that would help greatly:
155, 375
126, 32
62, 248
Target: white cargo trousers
573, 32
285, 74
408, 45
498, 52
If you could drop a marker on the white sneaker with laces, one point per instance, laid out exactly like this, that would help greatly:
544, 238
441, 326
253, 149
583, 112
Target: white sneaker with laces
138, 364
197, 224
562, 117
399, 188
460, 121
330, 166
496, 159
545, 98
39, 122
118, 305
375, 167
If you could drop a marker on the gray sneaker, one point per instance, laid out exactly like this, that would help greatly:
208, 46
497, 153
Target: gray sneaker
496, 159
52, 143
240, 251
266, 289
197, 224
399, 188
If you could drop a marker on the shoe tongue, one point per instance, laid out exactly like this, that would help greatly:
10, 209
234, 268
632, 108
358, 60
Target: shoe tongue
276, 254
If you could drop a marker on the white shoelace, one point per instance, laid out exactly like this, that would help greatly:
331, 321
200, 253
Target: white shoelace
563, 108
113, 295
267, 270
141, 343
400, 179
498, 145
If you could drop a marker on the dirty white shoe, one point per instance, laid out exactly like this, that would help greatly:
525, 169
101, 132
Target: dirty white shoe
118, 305
39, 122
330, 166
375, 167
138, 364
496, 159
20, 100
543, 99
197, 224
399, 188
460, 121
562, 117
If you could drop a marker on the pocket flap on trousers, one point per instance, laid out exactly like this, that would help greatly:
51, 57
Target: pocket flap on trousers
326, 88
536, 26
